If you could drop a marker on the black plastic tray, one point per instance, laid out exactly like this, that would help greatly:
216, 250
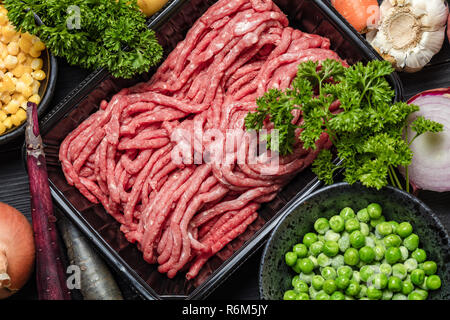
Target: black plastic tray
171, 25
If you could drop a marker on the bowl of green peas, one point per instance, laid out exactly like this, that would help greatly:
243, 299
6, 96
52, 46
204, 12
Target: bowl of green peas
347, 242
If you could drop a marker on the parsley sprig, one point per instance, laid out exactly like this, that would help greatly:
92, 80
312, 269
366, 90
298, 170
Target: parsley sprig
368, 132
111, 34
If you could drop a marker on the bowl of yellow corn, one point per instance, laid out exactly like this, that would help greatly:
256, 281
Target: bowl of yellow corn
27, 74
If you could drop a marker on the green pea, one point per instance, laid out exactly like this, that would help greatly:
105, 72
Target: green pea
328, 273
419, 254
392, 255
296, 267
375, 222
321, 225
404, 229
433, 282
323, 260
313, 292
345, 271
379, 252
411, 242
429, 267
337, 223
342, 282
384, 228
366, 272
365, 230
399, 296
344, 242
395, 284
363, 215
314, 261
303, 296
337, 295
337, 261
417, 277
362, 292
305, 265
405, 253
290, 258
290, 295
356, 276
386, 269
331, 248
309, 239
330, 235
329, 286
316, 248
300, 286
407, 287
353, 288
416, 295
387, 295
410, 264
306, 277
374, 210
300, 250
392, 240
357, 239
366, 254
399, 270
379, 281
374, 293
322, 295
347, 213
351, 257
394, 225
317, 282
351, 225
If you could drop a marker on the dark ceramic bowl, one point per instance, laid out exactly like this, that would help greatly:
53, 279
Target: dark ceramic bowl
46, 92
275, 276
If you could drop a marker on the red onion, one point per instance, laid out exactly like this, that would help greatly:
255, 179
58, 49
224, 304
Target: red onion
430, 167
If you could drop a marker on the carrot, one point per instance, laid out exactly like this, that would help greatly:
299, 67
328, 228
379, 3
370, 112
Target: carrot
96, 281
361, 14
51, 280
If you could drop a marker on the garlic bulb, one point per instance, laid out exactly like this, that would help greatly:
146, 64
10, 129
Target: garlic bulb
410, 32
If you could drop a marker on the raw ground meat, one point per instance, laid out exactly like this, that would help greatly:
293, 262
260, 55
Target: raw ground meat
180, 214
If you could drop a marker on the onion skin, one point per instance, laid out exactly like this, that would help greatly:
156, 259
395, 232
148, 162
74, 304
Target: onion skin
16, 250
448, 28
424, 176
51, 280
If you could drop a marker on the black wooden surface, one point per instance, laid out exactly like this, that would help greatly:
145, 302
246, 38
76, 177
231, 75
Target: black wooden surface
243, 284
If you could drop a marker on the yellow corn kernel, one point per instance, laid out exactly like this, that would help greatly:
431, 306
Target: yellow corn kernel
34, 53
7, 32
22, 57
21, 114
7, 85
19, 98
25, 44
8, 123
10, 62
16, 121
35, 87
27, 69
35, 98
38, 45
37, 64
5, 98
13, 48
3, 116
27, 79
39, 75
3, 18
12, 107
18, 71
2, 128
26, 90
